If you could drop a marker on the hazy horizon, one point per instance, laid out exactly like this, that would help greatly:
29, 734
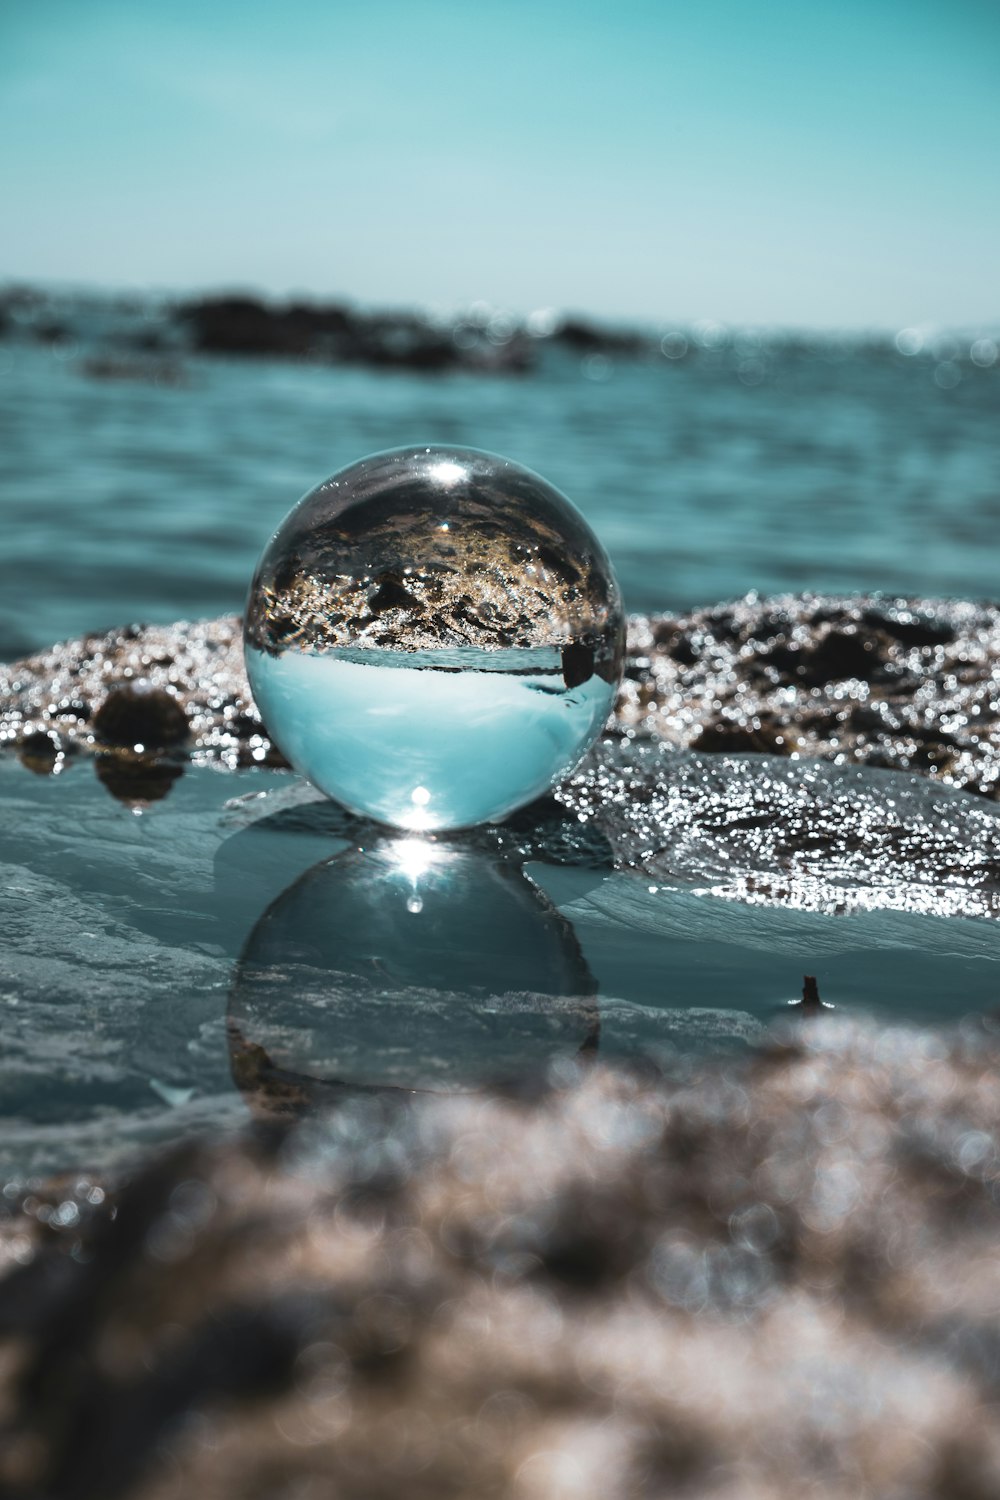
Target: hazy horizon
70, 288
824, 167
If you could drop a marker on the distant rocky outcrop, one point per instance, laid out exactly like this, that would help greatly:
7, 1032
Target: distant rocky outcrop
145, 338
585, 337
242, 325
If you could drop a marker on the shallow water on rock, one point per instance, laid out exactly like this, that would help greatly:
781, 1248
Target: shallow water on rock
245, 945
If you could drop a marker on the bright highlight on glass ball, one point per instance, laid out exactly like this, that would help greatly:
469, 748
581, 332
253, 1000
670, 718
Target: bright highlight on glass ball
434, 636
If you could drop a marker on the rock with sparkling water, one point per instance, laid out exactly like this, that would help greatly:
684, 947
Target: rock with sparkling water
434, 636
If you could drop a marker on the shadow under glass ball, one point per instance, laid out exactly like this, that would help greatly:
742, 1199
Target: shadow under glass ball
406, 966
434, 636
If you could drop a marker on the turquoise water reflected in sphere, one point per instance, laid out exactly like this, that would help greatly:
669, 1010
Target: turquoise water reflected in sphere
434, 636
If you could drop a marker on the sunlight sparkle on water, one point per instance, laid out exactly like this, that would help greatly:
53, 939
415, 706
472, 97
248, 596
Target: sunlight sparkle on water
414, 857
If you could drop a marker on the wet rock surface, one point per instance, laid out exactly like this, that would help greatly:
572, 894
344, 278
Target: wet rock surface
905, 685
180, 688
750, 812
249, 934
765, 1280
766, 1274
768, 831
911, 685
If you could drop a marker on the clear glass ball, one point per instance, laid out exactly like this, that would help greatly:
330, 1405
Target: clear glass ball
434, 636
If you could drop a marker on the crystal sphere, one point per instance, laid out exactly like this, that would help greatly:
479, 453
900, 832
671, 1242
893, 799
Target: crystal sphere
434, 636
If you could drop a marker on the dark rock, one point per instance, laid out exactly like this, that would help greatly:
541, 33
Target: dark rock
50, 331
911, 629
310, 319
245, 325
405, 348
728, 738
587, 338
836, 655
839, 655
140, 714
682, 649
240, 325
577, 663
391, 593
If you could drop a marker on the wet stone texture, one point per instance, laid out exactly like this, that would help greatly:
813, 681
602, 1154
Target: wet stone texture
910, 685
144, 692
711, 771
803, 834
769, 1280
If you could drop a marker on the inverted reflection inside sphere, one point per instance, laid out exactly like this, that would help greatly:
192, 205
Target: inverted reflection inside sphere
434, 636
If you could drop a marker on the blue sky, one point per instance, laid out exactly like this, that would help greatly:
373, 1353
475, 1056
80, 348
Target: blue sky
757, 161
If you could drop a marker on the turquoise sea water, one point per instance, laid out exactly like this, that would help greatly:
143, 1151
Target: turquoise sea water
843, 465
146, 959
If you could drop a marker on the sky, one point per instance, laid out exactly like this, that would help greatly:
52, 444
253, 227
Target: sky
827, 163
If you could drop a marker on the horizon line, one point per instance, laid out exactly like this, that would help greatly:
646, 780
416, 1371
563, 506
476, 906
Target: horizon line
454, 312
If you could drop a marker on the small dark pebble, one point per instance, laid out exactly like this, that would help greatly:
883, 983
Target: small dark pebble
40, 751
139, 714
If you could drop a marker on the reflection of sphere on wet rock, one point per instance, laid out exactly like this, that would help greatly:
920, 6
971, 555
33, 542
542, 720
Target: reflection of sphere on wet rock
434, 636
410, 966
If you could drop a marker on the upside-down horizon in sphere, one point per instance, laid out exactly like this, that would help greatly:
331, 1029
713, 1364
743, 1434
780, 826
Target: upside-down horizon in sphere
434, 636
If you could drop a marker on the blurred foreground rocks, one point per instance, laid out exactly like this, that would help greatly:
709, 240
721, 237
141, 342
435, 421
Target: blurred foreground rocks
911, 685
765, 1280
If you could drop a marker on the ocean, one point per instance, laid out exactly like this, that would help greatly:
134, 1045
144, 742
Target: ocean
772, 464
168, 964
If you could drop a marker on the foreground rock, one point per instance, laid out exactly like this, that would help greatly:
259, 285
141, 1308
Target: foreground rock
912, 686
766, 1281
